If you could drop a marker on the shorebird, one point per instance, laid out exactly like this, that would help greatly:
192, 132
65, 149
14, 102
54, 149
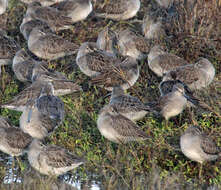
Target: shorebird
124, 74
42, 118
28, 69
198, 146
8, 48
152, 27
52, 159
54, 18
129, 106
161, 62
28, 96
28, 24
118, 9
92, 60
49, 46
133, 45
3, 6
172, 103
13, 140
117, 128
196, 76
107, 41
166, 87
77, 10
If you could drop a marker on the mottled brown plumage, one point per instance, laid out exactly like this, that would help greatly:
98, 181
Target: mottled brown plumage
54, 18
49, 46
124, 74
196, 76
129, 106
92, 60
117, 128
132, 44
13, 140
198, 146
118, 9
52, 159
27, 97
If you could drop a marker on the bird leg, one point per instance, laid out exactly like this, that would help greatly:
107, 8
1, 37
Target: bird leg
200, 170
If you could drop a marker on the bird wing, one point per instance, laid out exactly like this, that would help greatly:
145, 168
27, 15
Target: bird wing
169, 61
4, 122
97, 60
8, 47
115, 75
115, 7
17, 138
58, 157
29, 94
209, 146
56, 44
66, 6
129, 102
187, 74
127, 128
52, 16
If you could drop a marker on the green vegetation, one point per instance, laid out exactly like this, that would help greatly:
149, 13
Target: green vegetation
156, 164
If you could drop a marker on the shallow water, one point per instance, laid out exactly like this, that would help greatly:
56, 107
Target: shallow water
15, 177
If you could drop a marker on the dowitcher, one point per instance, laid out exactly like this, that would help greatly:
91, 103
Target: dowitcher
129, 106
132, 44
117, 128
172, 103
42, 118
49, 46
54, 18
198, 146
13, 140
166, 87
8, 48
3, 6
123, 74
118, 9
161, 62
28, 96
52, 159
77, 10
92, 60
196, 76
